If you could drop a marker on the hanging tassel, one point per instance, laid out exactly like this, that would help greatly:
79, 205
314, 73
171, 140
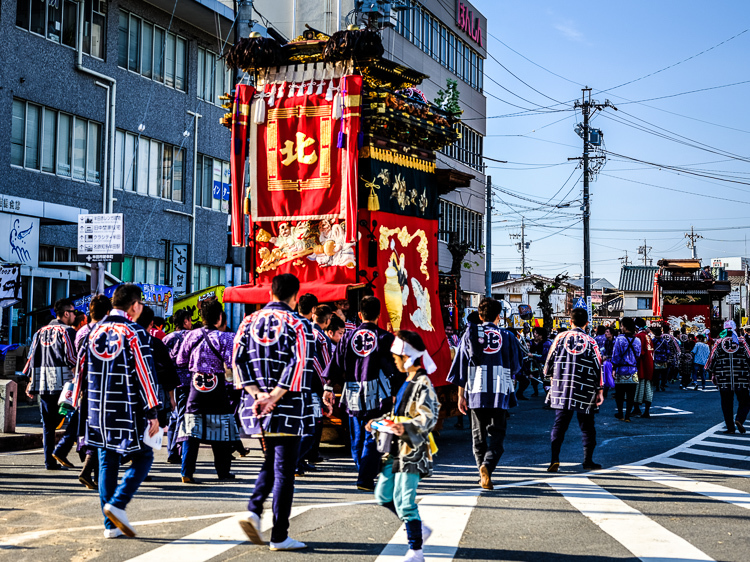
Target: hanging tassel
310, 88
329, 93
280, 93
272, 96
360, 139
259, 112
292, 88
341, 143
337, 111
319, 91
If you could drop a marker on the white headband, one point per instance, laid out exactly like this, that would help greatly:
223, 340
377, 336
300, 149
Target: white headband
400, 347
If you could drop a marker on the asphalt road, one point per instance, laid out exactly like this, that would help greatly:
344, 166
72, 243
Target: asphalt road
683, 495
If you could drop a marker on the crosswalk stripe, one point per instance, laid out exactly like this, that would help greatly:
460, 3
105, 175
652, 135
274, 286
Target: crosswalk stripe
732, 446
713, 491
740, 437
447, 516
734, 472
642, 536
209, 542
704, 453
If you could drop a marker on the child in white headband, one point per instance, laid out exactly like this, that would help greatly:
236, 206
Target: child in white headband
405, 440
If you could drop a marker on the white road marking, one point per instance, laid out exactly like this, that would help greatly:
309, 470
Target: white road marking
638, 533
447, 516
209, 542
670, 411
734, 472
713, 491
702, 453
739, 437
718, 445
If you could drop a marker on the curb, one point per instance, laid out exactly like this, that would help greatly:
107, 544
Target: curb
10, 442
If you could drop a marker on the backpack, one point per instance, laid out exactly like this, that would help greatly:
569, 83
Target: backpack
685, 362
661, 350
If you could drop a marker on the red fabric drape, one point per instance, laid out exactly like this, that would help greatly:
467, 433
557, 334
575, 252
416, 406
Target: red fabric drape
242, 101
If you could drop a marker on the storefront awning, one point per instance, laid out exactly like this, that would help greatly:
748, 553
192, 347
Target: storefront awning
261, 294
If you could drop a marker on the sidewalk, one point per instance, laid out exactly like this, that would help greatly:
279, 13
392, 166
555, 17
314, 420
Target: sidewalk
28, 433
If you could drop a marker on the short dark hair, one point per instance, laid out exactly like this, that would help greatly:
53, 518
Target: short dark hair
180, 316
600, 330
656, 330
412, 338
306, 303
640, 322
284, 286
370, 308
125, 295
211, 311
99, 307
579, 317
628, 323
158, 322
489, 309
700, 337
688, 345
145, 317
61, 306
321, 312
542, 331
336, 324
473, 317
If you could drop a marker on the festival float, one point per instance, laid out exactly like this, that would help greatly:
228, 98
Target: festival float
334, 178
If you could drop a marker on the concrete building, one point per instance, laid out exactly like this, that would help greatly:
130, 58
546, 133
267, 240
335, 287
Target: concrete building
637, 286
444, 40
521, 290
98, 108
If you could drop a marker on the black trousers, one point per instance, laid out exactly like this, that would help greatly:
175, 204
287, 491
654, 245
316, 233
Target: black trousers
560, 426
727, 405
222, 456
625, 392
660, 378
488, 426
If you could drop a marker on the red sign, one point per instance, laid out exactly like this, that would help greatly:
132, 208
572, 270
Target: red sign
305, 154
466, 22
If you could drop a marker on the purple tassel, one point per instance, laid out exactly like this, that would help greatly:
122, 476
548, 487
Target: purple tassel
360, 139
342, 140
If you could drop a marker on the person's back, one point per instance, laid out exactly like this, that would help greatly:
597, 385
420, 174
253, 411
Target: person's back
574, 367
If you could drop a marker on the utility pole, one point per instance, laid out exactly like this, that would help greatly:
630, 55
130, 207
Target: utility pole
644, 250
625, 260
692, 237
588, 107
488, 240
522, 246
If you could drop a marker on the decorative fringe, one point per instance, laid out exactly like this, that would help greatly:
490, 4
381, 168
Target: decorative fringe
280, 93
360, 140
272, 96
319, 91
341, 143
259, 110
337, 110
331, 89
310, 85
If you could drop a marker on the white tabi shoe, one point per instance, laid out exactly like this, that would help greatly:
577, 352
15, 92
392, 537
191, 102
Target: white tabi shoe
288, 544
251, 525
120, 519
426, 532
112, 533
414, 556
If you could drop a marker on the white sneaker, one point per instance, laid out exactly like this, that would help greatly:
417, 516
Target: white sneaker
414, 556
120, 519
251, 525
288, 544
112, 533
426, 532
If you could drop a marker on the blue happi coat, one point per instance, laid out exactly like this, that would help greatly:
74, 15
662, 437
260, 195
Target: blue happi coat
574, 365
363, 365
486, 361
273, 347
117, 369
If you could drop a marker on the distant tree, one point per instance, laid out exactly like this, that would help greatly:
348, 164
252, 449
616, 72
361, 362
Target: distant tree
546, 289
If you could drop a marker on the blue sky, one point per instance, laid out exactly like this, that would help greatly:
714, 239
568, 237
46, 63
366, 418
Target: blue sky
601, 46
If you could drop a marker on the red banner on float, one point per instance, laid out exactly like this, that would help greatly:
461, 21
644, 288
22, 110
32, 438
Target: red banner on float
304, 160
407, 282
242, 101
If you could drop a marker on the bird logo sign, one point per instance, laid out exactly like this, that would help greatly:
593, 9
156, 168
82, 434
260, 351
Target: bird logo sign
19, 239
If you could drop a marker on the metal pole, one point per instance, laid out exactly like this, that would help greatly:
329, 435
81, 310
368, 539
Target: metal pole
488, 245
523, 246
196, 116
585, 108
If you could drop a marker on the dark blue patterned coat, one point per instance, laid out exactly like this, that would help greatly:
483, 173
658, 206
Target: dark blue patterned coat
575, 366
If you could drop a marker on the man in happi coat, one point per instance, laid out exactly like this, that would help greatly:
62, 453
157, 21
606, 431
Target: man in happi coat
273, 365
729, 366
121, 405
574, 365
486, 361
183, 323
50, 365
363, 365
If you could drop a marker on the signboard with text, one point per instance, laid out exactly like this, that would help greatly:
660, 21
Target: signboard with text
180, 261
19, 239
101, 237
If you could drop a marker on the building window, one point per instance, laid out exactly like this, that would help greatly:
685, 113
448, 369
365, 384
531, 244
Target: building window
467, 224
205, 276
426, 32
149, 167
644, 303
214, 78
54, 142
140, 270
59, 22
468, 149
152, 51
212, 175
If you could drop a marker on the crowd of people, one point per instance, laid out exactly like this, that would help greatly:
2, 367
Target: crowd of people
295, 361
